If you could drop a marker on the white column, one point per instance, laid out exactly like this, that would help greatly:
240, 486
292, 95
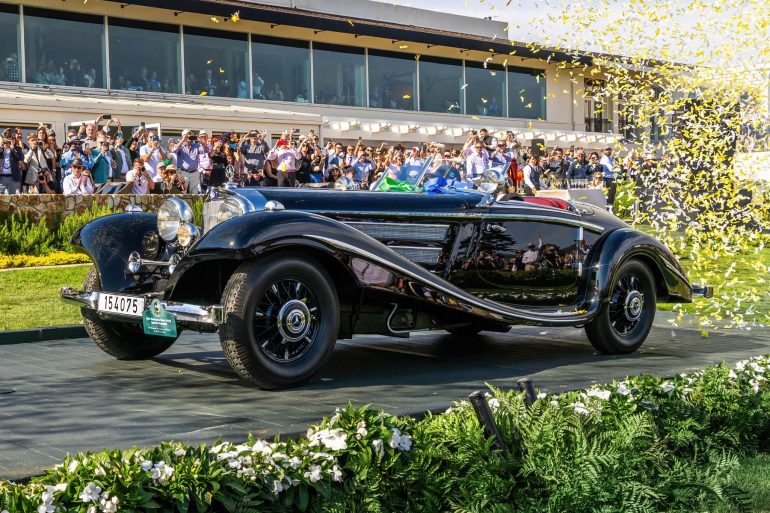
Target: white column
366, 75
464, 89
417, 86
507, 93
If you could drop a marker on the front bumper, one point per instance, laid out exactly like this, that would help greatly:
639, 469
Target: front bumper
702, 290
197, 316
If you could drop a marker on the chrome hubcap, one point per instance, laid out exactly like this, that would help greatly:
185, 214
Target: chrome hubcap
286, 320
627, 305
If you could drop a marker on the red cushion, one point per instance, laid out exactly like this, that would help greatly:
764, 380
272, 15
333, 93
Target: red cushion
548, 202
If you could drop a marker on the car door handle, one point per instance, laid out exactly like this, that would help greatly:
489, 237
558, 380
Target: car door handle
494, 228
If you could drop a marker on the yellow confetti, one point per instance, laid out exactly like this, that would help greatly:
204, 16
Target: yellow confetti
403, 47
221, 70
214, 19
483, 100
407, 97
351, 22
235, 17
203, 93
209, 61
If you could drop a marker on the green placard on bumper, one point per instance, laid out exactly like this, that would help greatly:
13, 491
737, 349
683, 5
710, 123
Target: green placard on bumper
157, 321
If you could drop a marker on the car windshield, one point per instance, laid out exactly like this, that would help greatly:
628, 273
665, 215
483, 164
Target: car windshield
410, 173
444, 168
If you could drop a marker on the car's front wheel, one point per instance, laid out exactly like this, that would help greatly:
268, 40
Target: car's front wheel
281, 320
623, 324
123, 341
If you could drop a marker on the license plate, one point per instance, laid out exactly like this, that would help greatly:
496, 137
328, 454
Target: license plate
124, 305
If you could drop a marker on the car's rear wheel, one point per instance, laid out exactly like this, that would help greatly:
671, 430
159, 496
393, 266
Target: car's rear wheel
624, 323
281, 320
123, 341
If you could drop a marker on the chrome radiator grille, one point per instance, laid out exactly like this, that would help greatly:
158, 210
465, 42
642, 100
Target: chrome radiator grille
427, 256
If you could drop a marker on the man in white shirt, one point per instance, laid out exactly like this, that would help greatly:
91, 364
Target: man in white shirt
477, 162
608, 161
152, 153
140, 179
530, 257
532, 176
79, 180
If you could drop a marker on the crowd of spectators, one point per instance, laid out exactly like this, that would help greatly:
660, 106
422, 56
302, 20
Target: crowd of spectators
95, 154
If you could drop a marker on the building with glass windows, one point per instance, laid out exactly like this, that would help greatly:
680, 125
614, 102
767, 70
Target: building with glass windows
346, 69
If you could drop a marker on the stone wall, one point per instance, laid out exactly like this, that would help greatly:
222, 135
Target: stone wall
53, 206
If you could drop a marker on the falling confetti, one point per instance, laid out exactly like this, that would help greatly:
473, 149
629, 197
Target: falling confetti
209, 61
351, 22
235, 17
463, 86
214, 19
403, 47
407, 97
203, 93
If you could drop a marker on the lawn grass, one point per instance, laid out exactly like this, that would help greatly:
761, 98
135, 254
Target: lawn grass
753, 477
29, 298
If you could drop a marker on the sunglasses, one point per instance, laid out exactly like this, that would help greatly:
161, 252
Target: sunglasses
77, 167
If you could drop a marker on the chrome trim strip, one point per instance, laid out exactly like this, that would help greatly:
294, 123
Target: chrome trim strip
418, 232
464, 215
562, 318
211, 315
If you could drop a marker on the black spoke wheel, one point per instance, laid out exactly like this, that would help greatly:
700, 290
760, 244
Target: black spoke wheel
281, 320
624, 323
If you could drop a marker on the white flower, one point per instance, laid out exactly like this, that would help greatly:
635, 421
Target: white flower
754, 385
336, 473
93, 509
399, 441
90, 493
741, 365
99, 471
361, 430
494, 404
314, 474
72, 466
756, 367
180, 452
161, 472
146, 465
604, 395
295, 462
277, 487
109, 505
667, 387
580, 408
732, 374
262, 447
378, 446
218, 448
541, 395
334, 439
623, 389
554, 402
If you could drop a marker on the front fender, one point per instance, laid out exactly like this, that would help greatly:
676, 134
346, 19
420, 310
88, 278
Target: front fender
108, 240
625, 244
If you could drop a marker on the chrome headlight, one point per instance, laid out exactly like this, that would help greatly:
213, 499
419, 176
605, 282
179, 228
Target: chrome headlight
493, 181
233, 207
172, 213
187, 234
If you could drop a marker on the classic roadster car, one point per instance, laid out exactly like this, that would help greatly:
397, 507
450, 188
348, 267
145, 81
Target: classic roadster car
282, 274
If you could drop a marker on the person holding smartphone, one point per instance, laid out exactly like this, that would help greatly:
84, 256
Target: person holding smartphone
152, 153
285, 157
139, 178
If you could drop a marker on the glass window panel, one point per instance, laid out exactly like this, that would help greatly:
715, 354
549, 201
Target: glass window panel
281, 69
441, 85
10, 69
339, 76
392, 80
526, 93
64, 48
485, 93
144, 56
216, 63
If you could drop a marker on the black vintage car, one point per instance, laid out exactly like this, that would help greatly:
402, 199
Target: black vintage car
282, 274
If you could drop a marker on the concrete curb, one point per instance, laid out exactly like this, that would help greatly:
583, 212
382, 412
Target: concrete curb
41, 334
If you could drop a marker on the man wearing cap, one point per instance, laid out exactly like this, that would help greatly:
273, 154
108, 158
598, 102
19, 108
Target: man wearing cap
121, 156
204, 163
75, 152
608, 161
254, 152
188, 160
362, 168
79, 180
530, 257
286, 161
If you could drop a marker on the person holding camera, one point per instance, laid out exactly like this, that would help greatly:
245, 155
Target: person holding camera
285, 158
218, 159
167, 181
104, 166
13, 154
253, 156
36, 159
188, 160
79, 181
139, 178
152, 153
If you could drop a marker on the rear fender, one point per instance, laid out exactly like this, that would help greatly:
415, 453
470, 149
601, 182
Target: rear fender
625, 244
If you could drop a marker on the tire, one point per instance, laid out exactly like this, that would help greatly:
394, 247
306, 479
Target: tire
123, 341
625, 321
289, 288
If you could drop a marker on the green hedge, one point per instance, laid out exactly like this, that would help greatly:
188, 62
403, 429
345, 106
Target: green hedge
643, 444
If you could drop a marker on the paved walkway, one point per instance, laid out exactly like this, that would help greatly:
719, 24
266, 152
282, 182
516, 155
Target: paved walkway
66, 396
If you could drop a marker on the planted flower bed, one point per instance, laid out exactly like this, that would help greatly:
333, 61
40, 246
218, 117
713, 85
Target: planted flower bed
644, 444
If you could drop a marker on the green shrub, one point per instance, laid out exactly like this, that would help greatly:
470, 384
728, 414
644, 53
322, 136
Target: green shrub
21, 234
